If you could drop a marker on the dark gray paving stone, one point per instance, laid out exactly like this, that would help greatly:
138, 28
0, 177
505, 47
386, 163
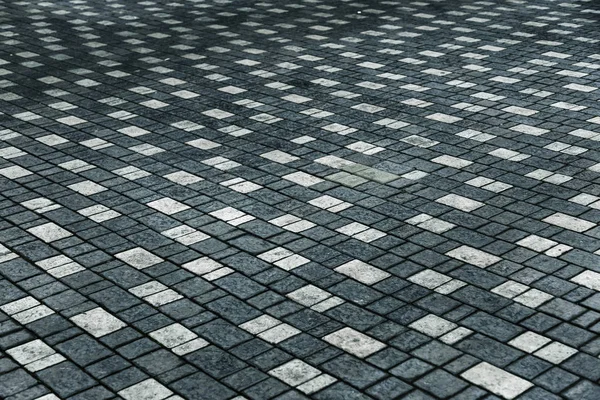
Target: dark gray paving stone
208, 136
66, 379
201, 386
441, 384
352, 370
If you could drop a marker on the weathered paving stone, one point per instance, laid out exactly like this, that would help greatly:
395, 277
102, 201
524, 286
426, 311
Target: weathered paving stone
496, 380
98, 322
15, 381
441, 383
304, 199
356, 372
65, 379
354, 342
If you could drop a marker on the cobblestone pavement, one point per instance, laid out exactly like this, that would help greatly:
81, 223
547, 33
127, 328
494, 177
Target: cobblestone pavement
325, 199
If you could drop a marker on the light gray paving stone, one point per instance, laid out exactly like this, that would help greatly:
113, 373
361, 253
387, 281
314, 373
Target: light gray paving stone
139, 258
529, 341
49, 232
569, 222
35, 355
589, 279
168, 206
432, 325
497, 381
87, 188
474, 256
148, 389
14, 172
460, 202
354, 342
98, 322
451, 161
555, 352
362, 272
295, 372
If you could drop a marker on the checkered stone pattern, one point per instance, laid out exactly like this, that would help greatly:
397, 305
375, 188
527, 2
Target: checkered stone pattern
309, 199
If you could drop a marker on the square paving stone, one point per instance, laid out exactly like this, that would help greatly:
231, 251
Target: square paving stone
83, 350
404, 226
441, 384
352, 370
66, 379
200, 386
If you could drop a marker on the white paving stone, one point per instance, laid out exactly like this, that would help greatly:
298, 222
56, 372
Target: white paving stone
279, 157
98, 322
352, 228
147, 289
460, 202
260, 324
316, 384
149, 389
173, 335
569, 222
17, 306
133, 131
279, 333
168, 206
300, 226
189, 347
529, 130
164, 297
52, 140
327, 304
510, 289
14, 172
49, 396
32, 314
139, 258
432, 325
202, 266
589, 279
183, 178
30, 352
354, 342
473, 256
203, 144
228, 214
87, 188
49, 232
303, 179
529, 341
292, 262
450, 287
295, 372
325, 202
533, 298
452, 161
455, 335
496, 380
420, 141
449, 119
362, 272
429, 279
309, 295
555, 352
537, 243
370, 235
275, 254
